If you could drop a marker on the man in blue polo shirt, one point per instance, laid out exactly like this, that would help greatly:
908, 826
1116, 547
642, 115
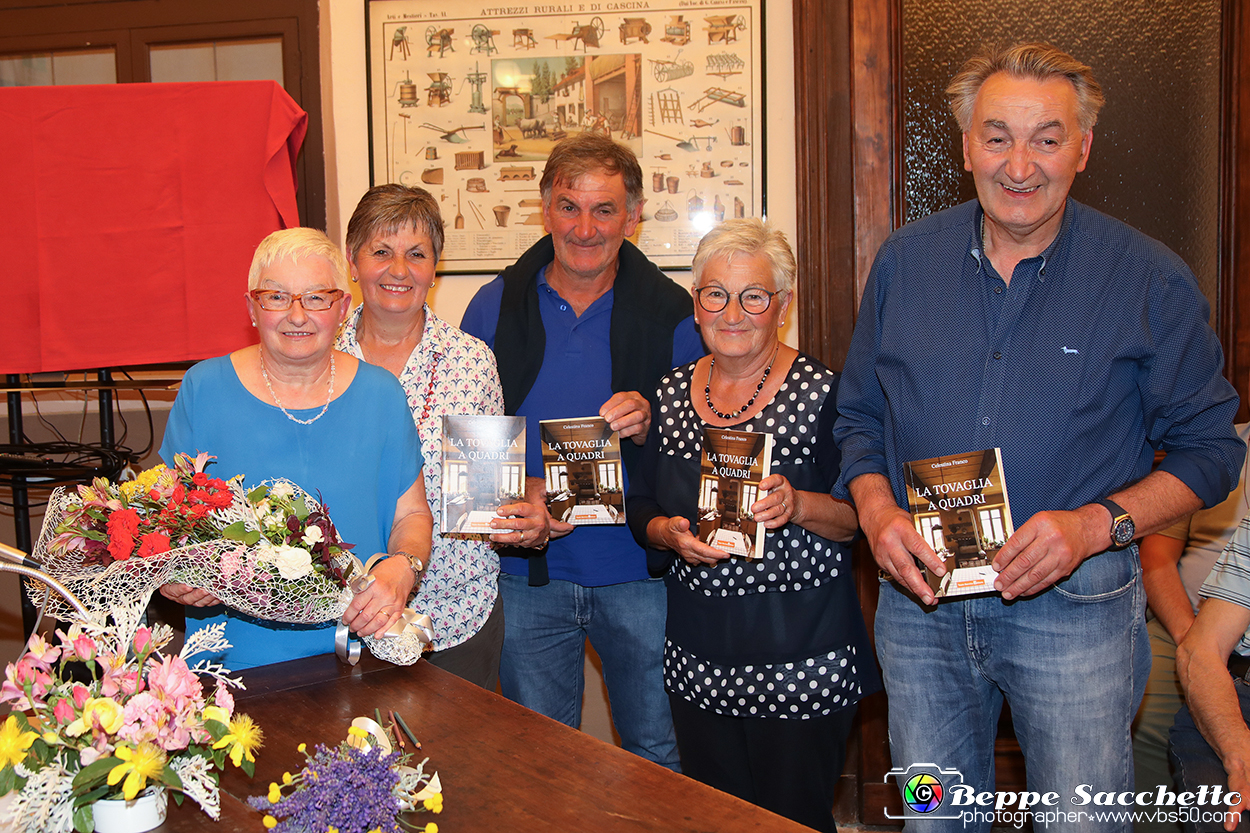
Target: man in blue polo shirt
584, 324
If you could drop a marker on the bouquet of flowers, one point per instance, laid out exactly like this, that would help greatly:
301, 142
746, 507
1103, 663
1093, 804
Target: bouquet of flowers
143, 719
362, 785
270, 552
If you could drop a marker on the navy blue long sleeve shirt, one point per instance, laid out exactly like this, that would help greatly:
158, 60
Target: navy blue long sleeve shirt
1097, 353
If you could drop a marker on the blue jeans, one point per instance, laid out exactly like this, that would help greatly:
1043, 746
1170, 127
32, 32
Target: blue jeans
1072, 663
1196, 763
544, 654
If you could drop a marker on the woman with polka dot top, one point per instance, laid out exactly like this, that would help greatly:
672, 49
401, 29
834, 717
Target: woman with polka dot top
765, 659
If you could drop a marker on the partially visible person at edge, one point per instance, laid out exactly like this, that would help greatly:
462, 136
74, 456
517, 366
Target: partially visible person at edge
764, 660
583, 324
1210, 740
1175, 562
394, 240
1026, 321
293, 407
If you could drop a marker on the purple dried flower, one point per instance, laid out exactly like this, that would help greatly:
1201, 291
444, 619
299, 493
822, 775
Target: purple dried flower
342, 787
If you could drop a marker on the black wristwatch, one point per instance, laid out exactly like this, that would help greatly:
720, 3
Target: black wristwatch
1122, 526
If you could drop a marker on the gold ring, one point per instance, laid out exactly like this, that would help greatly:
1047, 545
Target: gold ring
384, 612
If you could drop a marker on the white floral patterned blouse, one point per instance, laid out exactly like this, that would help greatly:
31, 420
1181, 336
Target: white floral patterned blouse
449, 372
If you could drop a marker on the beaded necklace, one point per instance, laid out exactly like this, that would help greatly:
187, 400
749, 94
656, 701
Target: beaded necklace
707, 389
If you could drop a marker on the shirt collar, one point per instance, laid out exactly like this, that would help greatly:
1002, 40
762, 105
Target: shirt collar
978, 219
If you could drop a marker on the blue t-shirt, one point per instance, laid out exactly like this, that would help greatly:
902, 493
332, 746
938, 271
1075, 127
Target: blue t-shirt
575, 381
358, 459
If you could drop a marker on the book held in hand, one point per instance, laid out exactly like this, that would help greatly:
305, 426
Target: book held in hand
582, 465
483, 469
734, 463
959, 504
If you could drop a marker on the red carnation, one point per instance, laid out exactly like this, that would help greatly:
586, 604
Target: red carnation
153, 543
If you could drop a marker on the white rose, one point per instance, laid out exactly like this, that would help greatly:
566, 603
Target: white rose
282, 490
312, 535
292, 562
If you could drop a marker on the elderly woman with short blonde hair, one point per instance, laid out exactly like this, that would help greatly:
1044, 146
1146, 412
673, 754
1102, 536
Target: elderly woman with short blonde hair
293, 407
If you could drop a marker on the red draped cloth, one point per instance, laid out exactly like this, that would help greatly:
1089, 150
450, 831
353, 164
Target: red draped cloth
129, 214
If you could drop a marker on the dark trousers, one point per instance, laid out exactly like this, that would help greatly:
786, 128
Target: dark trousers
477, 658
787, 766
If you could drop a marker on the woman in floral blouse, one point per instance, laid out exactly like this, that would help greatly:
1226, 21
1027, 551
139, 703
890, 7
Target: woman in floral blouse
394, 240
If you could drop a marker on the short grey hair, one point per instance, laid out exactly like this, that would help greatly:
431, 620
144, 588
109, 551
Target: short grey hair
573, 158
748, 236
386, 209
1038, 61
298, 244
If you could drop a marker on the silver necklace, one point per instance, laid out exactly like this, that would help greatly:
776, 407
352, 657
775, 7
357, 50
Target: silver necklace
278, 401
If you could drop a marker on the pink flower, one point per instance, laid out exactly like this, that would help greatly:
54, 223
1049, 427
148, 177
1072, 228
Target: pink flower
115, 681
143, 639
84, 647
232, 562
81, 694
171, 680
149, 719
43, 653
63, 711
25, 674
223, 698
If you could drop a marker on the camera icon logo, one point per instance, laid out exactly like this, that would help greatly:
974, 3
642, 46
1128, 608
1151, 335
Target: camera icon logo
924, 787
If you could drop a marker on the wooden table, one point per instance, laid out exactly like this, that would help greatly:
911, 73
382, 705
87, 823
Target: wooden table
503, 767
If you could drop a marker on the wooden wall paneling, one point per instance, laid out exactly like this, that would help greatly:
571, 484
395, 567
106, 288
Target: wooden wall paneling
825, 247
877, 163
1232, 317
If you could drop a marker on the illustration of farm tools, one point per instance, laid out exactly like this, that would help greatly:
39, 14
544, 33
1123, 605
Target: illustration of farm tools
439, 91
587, 34
723, 28
716, 95
677, 32
400, 39
691, 145
454, 134
483, 39
636, 28
440, 39
670, 70
725, 64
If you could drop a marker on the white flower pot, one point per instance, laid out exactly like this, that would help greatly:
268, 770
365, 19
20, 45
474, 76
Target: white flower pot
146, 811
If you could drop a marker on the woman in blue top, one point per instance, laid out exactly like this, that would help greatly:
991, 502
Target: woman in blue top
293, 407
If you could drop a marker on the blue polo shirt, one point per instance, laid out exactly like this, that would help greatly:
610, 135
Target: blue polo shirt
575, 381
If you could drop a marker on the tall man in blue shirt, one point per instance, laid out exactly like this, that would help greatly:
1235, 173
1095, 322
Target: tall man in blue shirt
1026, 321
584, 324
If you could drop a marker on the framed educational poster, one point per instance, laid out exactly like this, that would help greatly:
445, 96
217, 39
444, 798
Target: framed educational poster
467, 101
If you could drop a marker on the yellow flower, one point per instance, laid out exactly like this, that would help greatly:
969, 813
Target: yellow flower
301, 747
434, 803
431, 828
143, 483
98, 711
216, 713
270, 822
14, 743
244, 738
286, 778
275, 795
138, 765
